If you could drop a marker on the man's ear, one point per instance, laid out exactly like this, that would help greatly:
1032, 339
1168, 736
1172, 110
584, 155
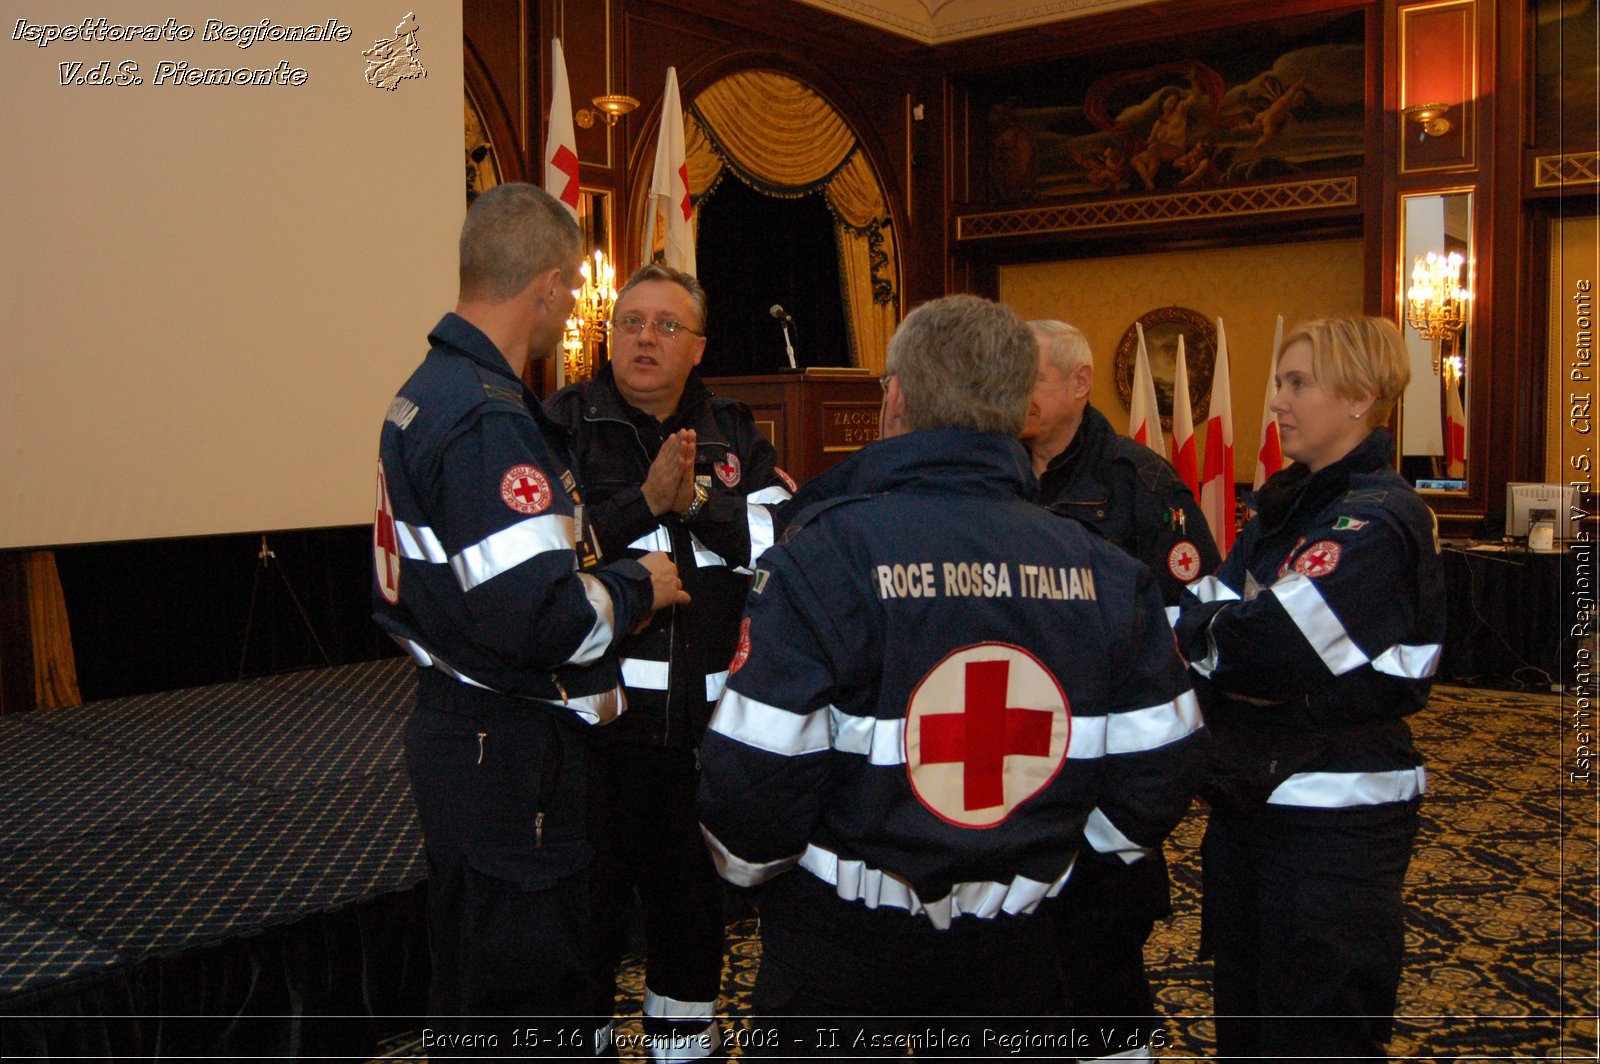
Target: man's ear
542, 287
893, 421
1083, 380
555, 283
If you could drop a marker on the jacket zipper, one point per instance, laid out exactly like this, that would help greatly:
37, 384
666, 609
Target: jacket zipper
672, 622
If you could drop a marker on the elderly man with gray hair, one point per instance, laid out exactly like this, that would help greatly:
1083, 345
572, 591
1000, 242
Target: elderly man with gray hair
1135, 499
942, 695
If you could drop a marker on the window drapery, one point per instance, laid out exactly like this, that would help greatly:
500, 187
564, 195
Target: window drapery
782, 138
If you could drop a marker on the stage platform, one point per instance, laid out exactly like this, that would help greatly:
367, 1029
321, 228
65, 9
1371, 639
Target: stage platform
233, 870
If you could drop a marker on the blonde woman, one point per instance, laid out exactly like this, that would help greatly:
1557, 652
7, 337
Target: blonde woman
1315, 640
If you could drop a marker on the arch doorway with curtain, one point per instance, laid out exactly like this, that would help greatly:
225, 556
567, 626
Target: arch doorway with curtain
793, 240
788, 210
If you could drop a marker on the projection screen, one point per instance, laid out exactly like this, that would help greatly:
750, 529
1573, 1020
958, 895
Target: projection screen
225, 231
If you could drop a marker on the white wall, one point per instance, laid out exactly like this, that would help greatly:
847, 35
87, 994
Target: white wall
209, 293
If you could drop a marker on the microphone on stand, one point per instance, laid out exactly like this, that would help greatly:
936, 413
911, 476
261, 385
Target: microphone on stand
787, 322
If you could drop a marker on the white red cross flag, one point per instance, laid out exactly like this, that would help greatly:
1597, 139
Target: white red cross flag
1216, 483
1144, 414
1269, 456
669, 187
1455, 430
560, 142
1183, 443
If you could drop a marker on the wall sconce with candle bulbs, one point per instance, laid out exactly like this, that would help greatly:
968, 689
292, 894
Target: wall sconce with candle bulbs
590, 321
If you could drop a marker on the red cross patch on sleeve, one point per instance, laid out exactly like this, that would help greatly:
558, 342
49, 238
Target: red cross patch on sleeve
526, 490
742, 653
1319, 559
385, 543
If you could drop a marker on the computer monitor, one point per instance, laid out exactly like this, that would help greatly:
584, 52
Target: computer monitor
1527, 503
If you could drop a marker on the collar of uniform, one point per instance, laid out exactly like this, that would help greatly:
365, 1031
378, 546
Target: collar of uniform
1081, 454
456, 332
601, 398
949, 461
1296, 488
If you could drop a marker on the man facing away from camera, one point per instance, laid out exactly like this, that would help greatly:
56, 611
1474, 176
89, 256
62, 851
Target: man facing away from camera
944, 698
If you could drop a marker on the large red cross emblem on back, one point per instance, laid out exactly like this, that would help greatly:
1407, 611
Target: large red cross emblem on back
986, 729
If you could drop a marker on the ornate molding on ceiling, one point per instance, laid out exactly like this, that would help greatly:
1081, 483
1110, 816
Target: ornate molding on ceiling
935, 22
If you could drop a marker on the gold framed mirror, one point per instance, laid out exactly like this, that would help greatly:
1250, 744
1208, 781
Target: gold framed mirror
1434, 297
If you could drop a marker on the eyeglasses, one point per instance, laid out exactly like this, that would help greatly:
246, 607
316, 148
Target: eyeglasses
632, 326
883, 382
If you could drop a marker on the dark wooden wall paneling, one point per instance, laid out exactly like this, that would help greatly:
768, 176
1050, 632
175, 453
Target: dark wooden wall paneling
495, 40
875, 79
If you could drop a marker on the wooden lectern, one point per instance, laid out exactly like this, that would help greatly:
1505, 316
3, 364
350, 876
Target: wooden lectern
815, 417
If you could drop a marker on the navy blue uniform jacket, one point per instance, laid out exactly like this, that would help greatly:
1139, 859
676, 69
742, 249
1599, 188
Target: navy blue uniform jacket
944, 691
479, 566
1318, 636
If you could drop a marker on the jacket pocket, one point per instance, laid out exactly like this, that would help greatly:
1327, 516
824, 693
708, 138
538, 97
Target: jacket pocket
532, 867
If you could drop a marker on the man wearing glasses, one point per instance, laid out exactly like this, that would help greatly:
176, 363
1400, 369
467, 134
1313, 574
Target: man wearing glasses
669, 467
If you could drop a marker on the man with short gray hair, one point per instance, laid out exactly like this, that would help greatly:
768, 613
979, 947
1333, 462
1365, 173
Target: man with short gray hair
916, 738
1118, 487
1134, 498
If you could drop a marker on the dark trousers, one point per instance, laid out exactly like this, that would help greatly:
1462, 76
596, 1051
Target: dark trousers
839, 981
1302, 914
1102, 919
651, 843
501, 790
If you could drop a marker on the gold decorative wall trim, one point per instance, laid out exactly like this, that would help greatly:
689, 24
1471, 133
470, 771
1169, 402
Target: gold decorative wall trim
1558, 171
1152, 210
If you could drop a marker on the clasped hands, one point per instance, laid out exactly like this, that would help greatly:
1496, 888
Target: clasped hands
669, 485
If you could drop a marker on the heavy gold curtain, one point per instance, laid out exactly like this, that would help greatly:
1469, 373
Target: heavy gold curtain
780, 137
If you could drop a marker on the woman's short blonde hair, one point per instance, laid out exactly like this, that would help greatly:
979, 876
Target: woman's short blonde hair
1354, 355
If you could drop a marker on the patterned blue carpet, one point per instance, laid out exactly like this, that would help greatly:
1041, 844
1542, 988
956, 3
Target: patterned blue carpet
1501, 930
143, 828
